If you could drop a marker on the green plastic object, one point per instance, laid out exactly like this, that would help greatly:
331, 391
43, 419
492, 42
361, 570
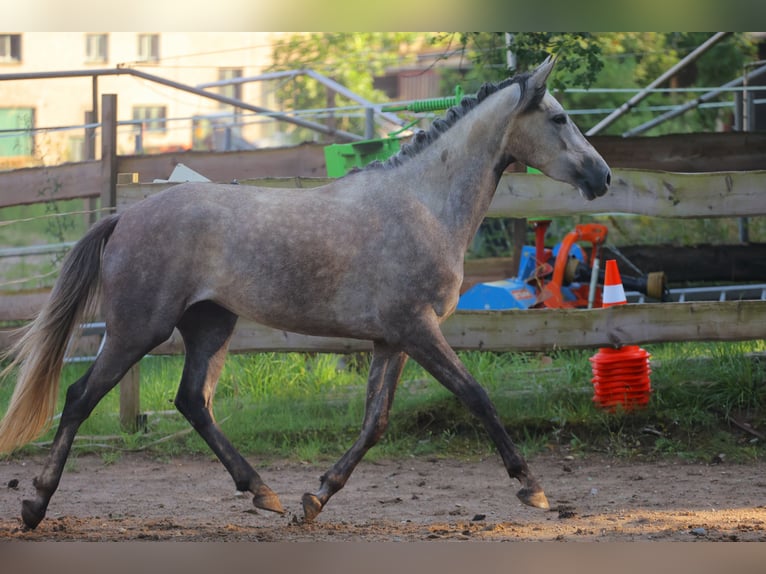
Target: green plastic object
430, 105
341, 158
543, 218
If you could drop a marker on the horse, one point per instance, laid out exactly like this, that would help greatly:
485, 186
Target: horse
376, 255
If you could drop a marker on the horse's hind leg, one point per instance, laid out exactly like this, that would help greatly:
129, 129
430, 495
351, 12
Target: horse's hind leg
206, 329
431, 350
81, 398
385, 371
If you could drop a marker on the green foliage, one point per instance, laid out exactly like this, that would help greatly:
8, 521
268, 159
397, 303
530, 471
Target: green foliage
635, 59
351, 59
585, 60
486, 57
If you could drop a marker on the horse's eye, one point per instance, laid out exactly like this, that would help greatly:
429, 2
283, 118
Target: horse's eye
560, 119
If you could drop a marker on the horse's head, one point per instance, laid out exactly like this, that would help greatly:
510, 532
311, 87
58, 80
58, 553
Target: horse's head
547, 139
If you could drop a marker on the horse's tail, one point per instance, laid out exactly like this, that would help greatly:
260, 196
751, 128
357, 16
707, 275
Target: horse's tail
39, 353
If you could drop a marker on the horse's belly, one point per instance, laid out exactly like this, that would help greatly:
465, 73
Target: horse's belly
305, 314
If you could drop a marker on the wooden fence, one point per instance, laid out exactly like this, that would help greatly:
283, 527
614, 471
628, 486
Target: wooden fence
733, 187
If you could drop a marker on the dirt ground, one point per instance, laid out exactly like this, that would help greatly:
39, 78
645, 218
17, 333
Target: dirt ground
420, 499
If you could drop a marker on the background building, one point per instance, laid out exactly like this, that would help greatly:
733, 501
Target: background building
164, 118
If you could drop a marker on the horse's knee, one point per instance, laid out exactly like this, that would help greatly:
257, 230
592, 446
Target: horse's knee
189, 406
78, 404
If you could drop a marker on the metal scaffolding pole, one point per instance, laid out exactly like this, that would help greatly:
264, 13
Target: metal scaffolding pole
177, 85
694, 103
627, 106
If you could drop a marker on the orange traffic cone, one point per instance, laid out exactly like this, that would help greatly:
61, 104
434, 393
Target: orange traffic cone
620, 376
613, 292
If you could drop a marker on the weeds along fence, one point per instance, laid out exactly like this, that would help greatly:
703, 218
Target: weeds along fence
701, 176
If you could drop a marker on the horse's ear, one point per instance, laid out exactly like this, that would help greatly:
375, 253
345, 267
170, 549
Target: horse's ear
540, 75
536, 85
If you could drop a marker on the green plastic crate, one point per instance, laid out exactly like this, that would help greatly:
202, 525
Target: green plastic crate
341, 158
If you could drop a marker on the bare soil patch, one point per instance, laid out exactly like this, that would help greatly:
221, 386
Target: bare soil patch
419, 499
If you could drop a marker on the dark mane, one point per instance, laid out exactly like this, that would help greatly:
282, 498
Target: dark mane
423, 138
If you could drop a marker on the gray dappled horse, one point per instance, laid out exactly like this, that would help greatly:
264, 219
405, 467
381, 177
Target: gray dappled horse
375, 255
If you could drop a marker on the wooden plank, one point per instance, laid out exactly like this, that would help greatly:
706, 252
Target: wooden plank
109, 166
541, 329
305, 160
701, 152
129, 194
21, 306
252, 337
658, 194
675, 153
545, 329
35, 184
534, 330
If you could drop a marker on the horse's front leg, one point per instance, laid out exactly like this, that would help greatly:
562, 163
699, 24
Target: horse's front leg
429, 348
385, 371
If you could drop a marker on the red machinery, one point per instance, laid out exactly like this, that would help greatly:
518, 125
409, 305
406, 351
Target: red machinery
571, 282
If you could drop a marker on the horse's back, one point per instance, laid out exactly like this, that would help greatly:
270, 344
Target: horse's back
279, 256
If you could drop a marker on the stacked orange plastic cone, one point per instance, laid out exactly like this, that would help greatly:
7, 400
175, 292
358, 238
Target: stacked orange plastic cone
620, 376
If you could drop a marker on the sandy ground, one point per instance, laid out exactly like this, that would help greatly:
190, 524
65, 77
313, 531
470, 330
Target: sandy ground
420, 499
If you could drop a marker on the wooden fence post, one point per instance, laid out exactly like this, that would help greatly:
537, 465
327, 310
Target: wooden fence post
109, 152
90, 154
130, 394
130, 400
130, 403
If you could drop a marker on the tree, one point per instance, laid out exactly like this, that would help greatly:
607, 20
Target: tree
607, 60
487, 55
635, 59
351, 59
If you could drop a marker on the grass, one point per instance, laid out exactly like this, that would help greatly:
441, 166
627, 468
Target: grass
310, 407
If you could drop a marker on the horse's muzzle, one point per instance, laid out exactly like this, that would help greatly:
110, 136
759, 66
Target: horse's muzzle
595, 181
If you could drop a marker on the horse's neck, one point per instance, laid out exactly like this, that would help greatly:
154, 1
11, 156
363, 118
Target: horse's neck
457, 175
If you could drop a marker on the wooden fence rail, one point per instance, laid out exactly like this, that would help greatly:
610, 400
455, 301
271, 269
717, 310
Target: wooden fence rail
539, 329
639, 192
692, 153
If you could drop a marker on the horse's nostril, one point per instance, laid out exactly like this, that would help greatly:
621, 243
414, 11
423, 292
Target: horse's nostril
608, 178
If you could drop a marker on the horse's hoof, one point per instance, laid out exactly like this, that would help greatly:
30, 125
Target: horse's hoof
533, 497
31, 513
311, 507
266, 499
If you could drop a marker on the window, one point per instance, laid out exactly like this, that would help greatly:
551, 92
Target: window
96, 48
10, 48
152, 118
148, 47
230, 90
